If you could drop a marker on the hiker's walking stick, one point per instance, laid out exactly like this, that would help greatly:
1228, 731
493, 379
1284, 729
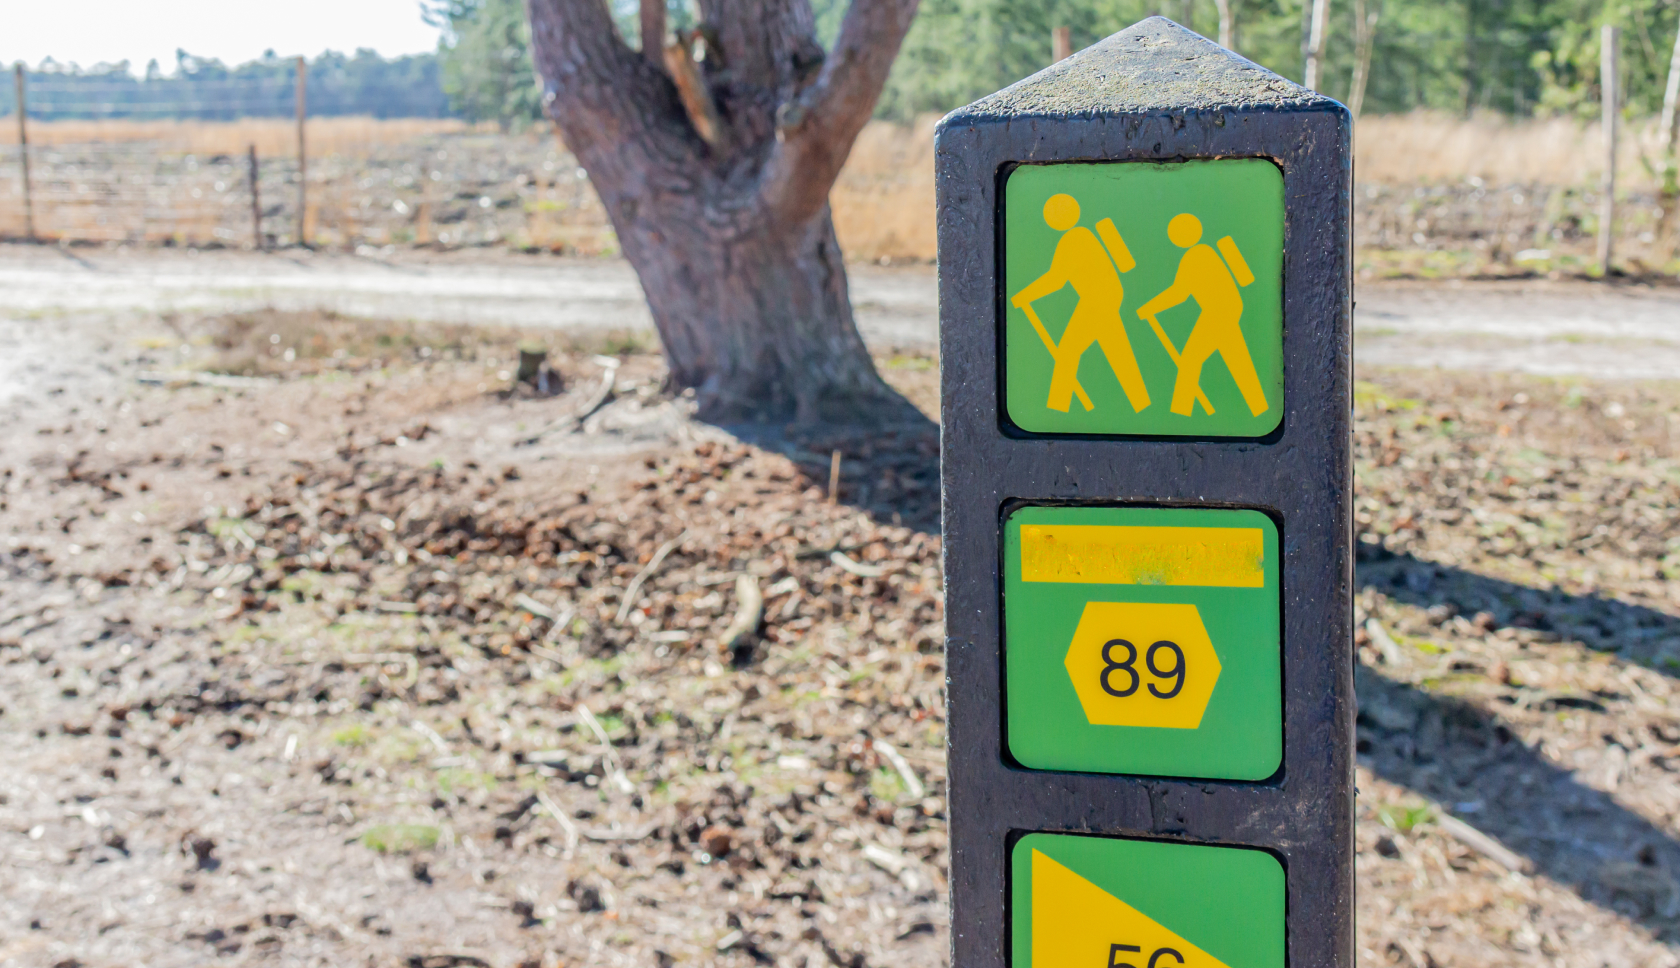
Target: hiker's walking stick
1050, 345
1172, 351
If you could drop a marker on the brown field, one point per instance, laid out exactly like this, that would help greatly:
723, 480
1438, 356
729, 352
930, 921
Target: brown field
1438, 194
273, 137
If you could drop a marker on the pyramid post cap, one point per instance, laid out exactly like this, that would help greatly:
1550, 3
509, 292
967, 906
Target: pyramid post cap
1154, 66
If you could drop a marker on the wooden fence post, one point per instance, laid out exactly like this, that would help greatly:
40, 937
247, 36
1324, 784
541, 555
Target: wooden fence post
256, 203
23, 153
1061, 43
302, 155
1609, 78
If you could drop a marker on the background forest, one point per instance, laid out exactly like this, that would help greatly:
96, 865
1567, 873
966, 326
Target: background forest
1520, 58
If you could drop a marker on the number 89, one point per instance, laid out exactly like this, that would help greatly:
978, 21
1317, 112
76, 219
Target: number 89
1174, 672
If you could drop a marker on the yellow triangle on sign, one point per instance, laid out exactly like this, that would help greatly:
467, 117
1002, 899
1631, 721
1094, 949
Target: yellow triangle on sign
1076, 924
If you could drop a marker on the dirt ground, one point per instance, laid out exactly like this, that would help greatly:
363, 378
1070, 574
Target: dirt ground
321, 645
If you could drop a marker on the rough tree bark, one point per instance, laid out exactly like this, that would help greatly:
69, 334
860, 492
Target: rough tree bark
719, 191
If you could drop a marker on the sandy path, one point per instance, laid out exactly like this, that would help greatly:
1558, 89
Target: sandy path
1552, 328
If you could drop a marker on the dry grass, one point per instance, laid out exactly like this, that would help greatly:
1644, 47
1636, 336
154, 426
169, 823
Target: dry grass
883, 202
1432, 148
352, 137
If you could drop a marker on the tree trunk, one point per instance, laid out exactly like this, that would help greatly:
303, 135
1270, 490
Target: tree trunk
1669, 142
716, 175
758, 323
1365, 28
1227, 23
1318, 35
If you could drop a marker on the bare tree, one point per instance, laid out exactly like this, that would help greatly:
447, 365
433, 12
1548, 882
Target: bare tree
1318, 34
1669, 129
1670, 124
1365, 37
1227, 23
714, 162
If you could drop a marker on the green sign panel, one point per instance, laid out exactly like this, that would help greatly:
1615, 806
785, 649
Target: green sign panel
1145, 298
1144, 641
1095, 902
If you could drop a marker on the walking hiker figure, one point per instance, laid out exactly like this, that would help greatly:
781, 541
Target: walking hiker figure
1082, 261
1212, 281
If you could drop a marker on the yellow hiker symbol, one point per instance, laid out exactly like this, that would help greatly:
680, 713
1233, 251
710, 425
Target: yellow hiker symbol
1211, 281
1089, 265
1076, 924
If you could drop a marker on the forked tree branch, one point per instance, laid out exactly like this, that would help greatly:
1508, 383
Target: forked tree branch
816, 128
696, 96
604, 97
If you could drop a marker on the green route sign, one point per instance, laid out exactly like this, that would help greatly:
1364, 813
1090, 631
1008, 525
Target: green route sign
1096, 902
1145, 298
1143, 641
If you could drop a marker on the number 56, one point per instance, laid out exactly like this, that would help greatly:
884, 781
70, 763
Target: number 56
1115, 950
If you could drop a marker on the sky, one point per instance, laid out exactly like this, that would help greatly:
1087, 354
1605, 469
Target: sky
87, 32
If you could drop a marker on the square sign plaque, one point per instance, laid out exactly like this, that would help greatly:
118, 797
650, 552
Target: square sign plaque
1110, 903
1143, 640
1145, 299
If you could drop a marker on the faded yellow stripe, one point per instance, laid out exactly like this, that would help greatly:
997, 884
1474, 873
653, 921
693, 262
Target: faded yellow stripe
1120, 555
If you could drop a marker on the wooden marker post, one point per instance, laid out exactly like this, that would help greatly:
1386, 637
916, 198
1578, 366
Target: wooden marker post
256, 202
23, 152
1149, 596
1061, 43
302, 154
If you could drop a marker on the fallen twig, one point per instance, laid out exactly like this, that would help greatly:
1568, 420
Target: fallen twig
805, 554
615, 770
749, 611
857, 568
1384, 642
203, 378
533, 606
1481, 843
653, 564
606, 836
834, 477
575, 419
560, 817
783, 587
560, 624
431, 734
381, 658
890, 861
912, 782
547, 653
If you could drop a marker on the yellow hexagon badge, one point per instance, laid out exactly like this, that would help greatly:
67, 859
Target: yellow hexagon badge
1142, 664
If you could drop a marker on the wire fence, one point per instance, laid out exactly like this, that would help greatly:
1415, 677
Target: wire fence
466, 189
205, 100
442, 183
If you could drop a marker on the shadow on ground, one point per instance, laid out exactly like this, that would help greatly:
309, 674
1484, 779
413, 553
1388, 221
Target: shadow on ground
888, 470
1464, 757
1603, 623
1579, 836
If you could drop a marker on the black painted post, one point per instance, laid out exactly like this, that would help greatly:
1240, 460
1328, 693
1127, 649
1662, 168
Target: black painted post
1145, 330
